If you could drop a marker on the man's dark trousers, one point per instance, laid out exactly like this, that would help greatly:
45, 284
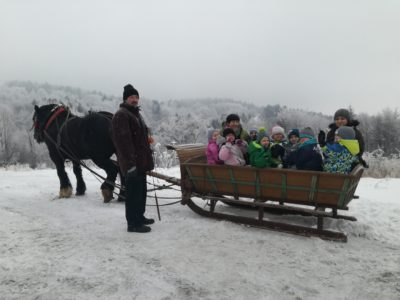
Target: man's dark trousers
135, 203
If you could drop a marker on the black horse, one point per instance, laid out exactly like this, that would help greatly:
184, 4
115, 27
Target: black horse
76, 138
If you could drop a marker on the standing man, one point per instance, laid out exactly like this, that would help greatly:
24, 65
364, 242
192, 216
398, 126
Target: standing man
131, 139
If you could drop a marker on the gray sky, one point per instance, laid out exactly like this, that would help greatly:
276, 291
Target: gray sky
310, 54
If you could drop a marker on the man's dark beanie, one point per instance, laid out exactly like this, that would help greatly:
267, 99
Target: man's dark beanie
342, 113
227, 131
129, 90
232, 117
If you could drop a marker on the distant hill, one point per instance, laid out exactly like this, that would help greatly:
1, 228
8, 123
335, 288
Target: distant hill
179, 121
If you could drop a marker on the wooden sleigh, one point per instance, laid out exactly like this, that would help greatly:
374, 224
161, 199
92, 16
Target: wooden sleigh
277, 191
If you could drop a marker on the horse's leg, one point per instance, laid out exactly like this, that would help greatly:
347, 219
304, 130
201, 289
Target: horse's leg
80, 184
65, 184
107, 186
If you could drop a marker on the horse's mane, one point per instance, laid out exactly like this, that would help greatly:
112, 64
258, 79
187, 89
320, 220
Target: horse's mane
106, 114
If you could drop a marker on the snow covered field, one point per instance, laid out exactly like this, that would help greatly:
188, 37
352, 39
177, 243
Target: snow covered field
78, 248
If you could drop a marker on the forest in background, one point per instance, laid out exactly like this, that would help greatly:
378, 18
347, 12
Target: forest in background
179, 122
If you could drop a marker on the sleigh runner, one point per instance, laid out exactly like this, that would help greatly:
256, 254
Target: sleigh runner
281, 191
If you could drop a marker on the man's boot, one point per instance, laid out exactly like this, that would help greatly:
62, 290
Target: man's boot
147, 221
139, 228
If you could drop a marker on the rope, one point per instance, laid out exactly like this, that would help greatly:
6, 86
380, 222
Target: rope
166, 204
171, 198
158, 207
159, 187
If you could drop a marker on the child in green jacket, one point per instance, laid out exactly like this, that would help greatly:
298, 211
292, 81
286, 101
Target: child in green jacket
260, 152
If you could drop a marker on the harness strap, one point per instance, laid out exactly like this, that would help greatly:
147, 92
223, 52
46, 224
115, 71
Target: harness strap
54, 116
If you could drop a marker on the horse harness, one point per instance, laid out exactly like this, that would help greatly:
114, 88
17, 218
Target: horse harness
55, 112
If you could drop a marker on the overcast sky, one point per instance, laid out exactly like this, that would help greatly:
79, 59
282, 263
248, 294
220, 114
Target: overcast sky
312, 54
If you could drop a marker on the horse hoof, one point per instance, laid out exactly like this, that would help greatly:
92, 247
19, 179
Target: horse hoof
66, 192
107, 195
80, 193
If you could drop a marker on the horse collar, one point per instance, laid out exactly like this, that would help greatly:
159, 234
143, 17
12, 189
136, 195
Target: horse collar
58, 111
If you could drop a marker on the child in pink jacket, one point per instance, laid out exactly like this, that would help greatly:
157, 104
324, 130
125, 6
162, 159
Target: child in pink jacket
232, 152
214, 142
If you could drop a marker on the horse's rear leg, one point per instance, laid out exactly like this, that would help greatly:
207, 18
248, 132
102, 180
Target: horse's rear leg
80, 184
107, 186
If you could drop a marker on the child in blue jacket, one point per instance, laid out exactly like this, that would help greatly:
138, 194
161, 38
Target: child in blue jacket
341, 156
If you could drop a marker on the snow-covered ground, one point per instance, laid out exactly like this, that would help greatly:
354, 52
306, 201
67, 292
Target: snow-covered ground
78, 248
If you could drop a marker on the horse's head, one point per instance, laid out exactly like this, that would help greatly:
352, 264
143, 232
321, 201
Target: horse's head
40, 116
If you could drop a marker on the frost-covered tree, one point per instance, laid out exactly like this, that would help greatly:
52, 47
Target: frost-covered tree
296, 118
385, 131
7, 129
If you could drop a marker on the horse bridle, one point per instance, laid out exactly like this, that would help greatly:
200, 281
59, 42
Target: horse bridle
53, 114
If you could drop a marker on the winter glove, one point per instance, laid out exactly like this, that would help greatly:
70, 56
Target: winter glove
274, 151
229, 139
364, 163
132, 172
239, 142
277, 151
322, 138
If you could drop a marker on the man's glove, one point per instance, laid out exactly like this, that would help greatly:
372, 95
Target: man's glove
322, 138
132, 172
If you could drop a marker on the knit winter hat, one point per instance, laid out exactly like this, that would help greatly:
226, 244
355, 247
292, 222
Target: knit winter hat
129, 90
227, 131
277, 129
210, 133
261, 135
262, 129
307, 132
232, 117
342, 113
253, 130
346, 133
295, 132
